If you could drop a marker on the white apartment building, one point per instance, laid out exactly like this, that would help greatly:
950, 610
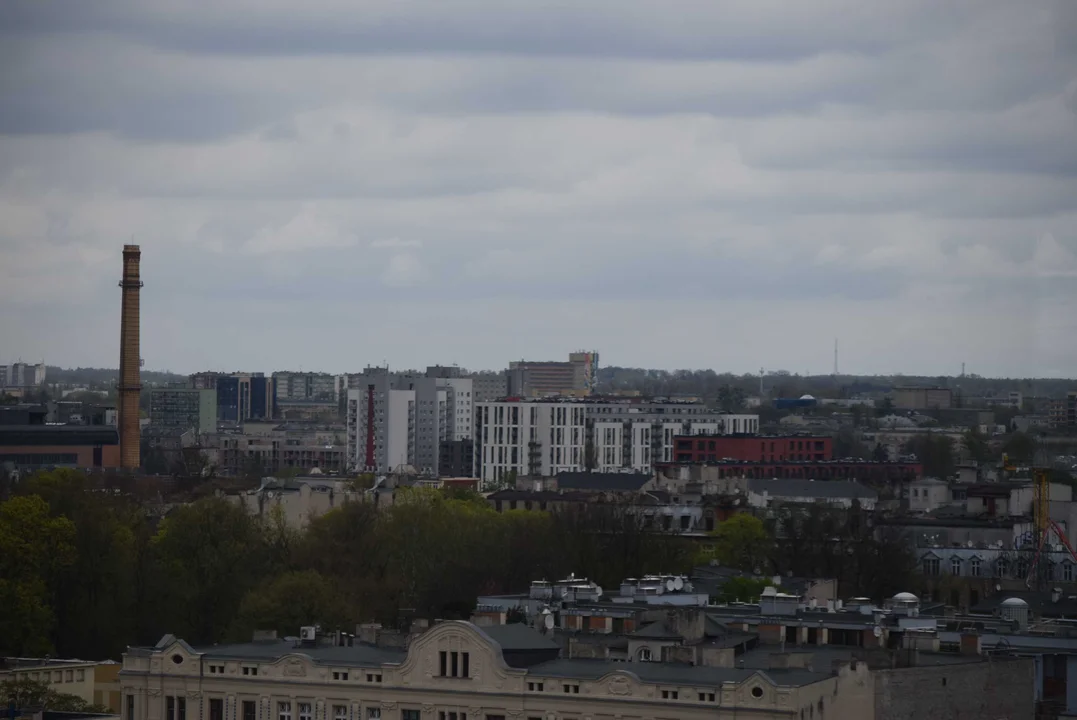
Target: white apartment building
395, 420
545, 437
20, 374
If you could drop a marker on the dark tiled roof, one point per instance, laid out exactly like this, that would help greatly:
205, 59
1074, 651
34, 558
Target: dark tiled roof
356, 656
544, 496
518, 637
656, 630
672, 673
628, 482
828, 489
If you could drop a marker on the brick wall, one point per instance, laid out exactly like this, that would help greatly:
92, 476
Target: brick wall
1001, 689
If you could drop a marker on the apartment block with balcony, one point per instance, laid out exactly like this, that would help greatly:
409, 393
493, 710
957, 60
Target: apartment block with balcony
548, 436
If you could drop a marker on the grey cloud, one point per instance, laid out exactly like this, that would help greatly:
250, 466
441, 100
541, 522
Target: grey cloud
749, 30
649, 178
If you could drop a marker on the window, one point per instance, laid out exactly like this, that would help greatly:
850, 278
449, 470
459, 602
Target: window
452, 715
250, 710
80, 675
130, 707
340, 712
975, 567
216, 709
250, 671
216, 669
284, 710
1022, 567
931, 566
69, 676
669, 694
306, 711
373, 713
571, 689
170, 708
181, 708
955, 566
645, 654
706, 697
373, 677
454, 664
411, 715
1067, 571
340, 675
534, 687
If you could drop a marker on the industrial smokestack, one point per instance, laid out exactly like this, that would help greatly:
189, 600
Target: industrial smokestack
130, 386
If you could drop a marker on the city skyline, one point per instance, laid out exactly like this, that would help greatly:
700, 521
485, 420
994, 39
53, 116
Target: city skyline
726, 185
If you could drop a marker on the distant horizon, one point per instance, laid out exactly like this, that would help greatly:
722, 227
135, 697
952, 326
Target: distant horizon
768, 373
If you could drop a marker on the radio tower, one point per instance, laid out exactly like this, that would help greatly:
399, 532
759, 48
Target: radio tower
130, 386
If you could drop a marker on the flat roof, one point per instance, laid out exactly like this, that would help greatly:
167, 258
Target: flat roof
72, 435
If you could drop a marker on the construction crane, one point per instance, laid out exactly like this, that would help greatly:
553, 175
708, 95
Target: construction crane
1043, 525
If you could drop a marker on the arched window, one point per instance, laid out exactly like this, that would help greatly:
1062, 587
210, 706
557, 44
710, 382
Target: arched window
644, 654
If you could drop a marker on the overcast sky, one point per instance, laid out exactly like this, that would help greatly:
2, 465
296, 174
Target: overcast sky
726, 184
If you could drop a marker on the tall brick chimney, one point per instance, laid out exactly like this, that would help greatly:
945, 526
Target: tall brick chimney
130, 386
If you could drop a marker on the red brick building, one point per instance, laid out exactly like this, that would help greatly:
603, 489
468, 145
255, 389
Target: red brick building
753, 448
820, 470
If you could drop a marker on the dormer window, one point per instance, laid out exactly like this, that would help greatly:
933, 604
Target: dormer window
454, 664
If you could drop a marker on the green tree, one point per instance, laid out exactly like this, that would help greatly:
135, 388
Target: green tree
290, 601
35, 693
34, 549
935, 452
743, 589
743, 542
1021, 448
209, 555
977, 446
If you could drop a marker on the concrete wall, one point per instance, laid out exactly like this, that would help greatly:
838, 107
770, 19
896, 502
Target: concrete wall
999, 688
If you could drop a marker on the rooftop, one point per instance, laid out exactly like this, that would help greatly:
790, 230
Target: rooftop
602, 481
828, 489
672, 673
74, 435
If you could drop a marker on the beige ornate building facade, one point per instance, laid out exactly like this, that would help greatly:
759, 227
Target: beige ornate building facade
458, 671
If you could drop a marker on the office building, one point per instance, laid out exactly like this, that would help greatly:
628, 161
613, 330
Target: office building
923, 398
395, 420
304, 386
74, 446
240, 396
577, 377
545, 437
184, 408
22, 375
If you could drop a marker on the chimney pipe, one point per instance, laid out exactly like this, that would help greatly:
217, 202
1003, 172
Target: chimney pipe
130, 385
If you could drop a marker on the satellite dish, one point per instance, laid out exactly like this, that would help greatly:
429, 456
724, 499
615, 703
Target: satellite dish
678, 583
670, 585
878, 631
547, 622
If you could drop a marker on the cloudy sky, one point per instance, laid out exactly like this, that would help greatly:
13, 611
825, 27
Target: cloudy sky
727, 184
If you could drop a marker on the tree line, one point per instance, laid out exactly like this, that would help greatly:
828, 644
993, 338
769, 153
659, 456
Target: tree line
88, 569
